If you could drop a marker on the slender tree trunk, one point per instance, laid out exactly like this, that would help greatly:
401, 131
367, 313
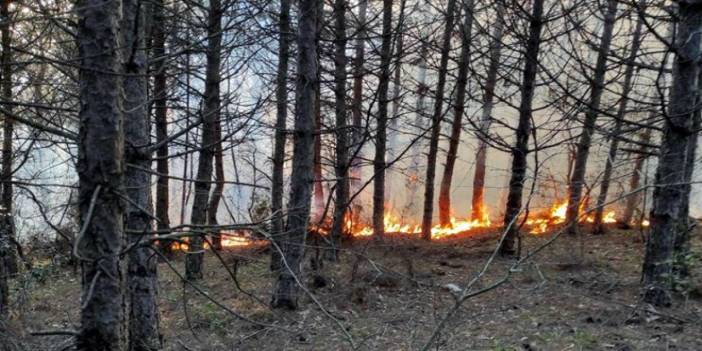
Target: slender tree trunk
216, 197
396, 87
632, 201
459, 106
161, 123
436, 122
302, 178
281, 94
318, 199
382, 120
7, 222
478, 210
142, 280
8, 263
357, 99
210, 115
521, 147
597, 85
614, 145
100, 173
342, 152
669, 213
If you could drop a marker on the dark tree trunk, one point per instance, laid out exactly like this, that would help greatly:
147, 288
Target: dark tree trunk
357, 98
100, 173
614, 145
161, 123
382, 120
597, 85
281, 95
8, 263
521, 147
142, 282
670, 196
285, 293
216, 196
456, 126
436, 123
478, 210
342, 153
318, 199
7, 222
396, 87
209, 115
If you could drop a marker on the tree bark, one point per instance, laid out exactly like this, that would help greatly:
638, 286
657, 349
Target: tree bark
669, 212
100, 172
382, 120
7, 222
457, 124
216, 197
597, 85
281, 94
436, 123
357, 99
521, 147
478, 210
285, 293
342, 153
161, 123
209, 115
142, 280
614, 145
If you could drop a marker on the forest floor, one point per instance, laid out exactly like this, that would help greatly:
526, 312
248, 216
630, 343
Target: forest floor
580, 293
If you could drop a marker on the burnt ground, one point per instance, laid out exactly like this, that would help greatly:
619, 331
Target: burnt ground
577, 294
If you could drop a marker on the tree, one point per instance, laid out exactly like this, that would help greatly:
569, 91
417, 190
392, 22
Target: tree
142, 282
457, 124
301, 180
281, 95
161, 121
382, 120
209, 116
100, 172
597, 87
357, 98
437, 117
521, 147
342, 153
669, 214
478, 210
216, 196
7, 223
619, 121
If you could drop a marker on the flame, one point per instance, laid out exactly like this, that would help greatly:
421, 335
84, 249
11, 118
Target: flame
394, 224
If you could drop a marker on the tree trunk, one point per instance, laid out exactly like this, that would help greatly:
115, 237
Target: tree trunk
521, 147
614, 145
302, 178
459, 106
632, 200
669, 213
420, 108
142, 282
597, 83
7, 222
478, 210
382, 120
342, 153
436, 123
100, 173
161, 124
396, 88
209, 115
357, 103
318, 199
281, 94
216, 196
8, 263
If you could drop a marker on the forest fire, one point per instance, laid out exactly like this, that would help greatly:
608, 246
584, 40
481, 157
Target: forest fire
394, 224
228, 241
